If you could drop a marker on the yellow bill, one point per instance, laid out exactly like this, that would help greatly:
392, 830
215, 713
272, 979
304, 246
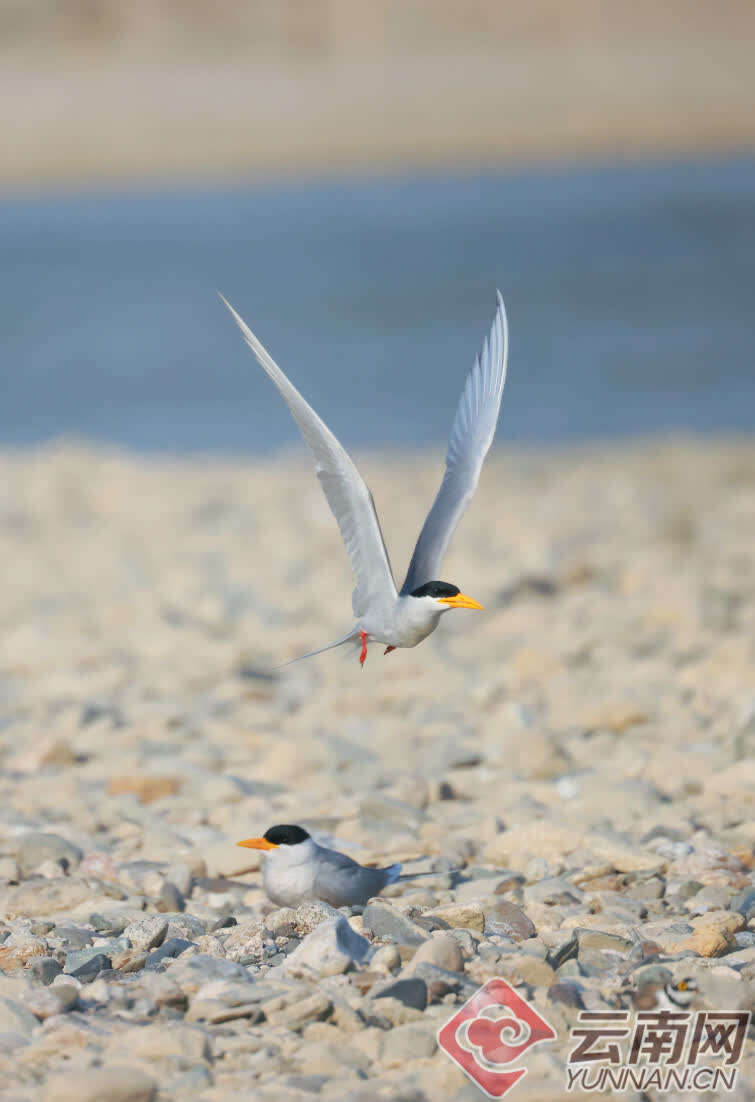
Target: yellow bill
460, 601
257, 843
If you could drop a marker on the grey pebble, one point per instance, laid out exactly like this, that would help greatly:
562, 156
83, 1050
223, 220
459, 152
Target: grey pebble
411, 992
385, 921
193, 971
330, 949
406, 1043
73, 937
170, 948
108, 924
554, 889
313, 1008
113, 1083
745, 903
602, 941
507, 920
311, 914
440, 981
41, 928
45, 969
712, 897
148, 933
282, 922
86, 964
186, 926
134, 874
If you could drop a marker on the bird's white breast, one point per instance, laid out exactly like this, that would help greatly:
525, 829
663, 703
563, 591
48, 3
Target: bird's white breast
410, 621
289, 874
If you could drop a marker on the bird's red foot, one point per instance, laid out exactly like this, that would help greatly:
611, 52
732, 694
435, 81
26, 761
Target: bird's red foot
363, 655
388, 650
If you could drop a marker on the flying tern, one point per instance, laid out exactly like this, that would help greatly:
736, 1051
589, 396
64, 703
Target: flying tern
384, 614
298, 869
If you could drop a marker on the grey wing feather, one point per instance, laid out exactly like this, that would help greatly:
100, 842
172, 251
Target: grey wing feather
471, 436
341, 879
348, 495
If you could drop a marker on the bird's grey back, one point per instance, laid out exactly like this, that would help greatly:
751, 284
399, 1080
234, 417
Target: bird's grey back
342, 881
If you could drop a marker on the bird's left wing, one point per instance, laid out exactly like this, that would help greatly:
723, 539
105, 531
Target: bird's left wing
340, 879
471, 436
348, 495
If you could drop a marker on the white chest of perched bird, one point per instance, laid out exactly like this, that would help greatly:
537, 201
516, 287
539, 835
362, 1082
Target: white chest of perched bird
297, 869
289, 873
384, 614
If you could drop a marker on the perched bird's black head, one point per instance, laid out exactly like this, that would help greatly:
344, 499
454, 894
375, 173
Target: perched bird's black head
283, 835
286, 835
445, 594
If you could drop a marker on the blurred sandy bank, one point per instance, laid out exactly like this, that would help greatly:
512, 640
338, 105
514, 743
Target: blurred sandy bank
97, 91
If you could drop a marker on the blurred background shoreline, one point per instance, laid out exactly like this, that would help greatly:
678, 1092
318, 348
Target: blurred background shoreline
357, 177
104, 94
628, 289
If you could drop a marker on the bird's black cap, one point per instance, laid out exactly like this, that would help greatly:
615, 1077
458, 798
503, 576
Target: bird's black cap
285, 835
436, 589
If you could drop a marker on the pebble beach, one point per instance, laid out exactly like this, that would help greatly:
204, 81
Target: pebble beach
571, 771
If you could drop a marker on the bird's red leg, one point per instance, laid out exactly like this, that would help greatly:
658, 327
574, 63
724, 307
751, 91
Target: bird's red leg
388, 650
363, 655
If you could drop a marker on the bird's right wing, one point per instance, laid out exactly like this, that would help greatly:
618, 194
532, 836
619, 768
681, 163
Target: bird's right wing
471, 436
348, 495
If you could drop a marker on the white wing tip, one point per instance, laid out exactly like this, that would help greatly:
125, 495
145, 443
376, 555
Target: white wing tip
504, 318
257, 348
228, 306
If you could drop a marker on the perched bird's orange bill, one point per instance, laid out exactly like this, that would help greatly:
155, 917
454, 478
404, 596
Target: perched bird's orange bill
460, 601
257, 843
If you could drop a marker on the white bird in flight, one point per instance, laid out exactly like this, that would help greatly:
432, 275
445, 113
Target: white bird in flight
298, 869
401, 618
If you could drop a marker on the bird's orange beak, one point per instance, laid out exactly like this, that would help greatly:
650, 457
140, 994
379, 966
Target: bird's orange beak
257, 843
460, 601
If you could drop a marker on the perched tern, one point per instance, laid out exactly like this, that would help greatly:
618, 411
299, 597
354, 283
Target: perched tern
297, 869
401, 618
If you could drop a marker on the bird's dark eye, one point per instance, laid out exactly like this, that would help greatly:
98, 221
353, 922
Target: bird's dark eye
286, 835
436, 589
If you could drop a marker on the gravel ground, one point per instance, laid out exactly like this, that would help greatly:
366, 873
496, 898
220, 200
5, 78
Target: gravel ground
573, 769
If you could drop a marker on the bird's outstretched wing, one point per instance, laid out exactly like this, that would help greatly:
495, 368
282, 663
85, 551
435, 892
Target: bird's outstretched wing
471, 436
348, 495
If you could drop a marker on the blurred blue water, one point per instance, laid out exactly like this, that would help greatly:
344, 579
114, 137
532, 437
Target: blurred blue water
630, 290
